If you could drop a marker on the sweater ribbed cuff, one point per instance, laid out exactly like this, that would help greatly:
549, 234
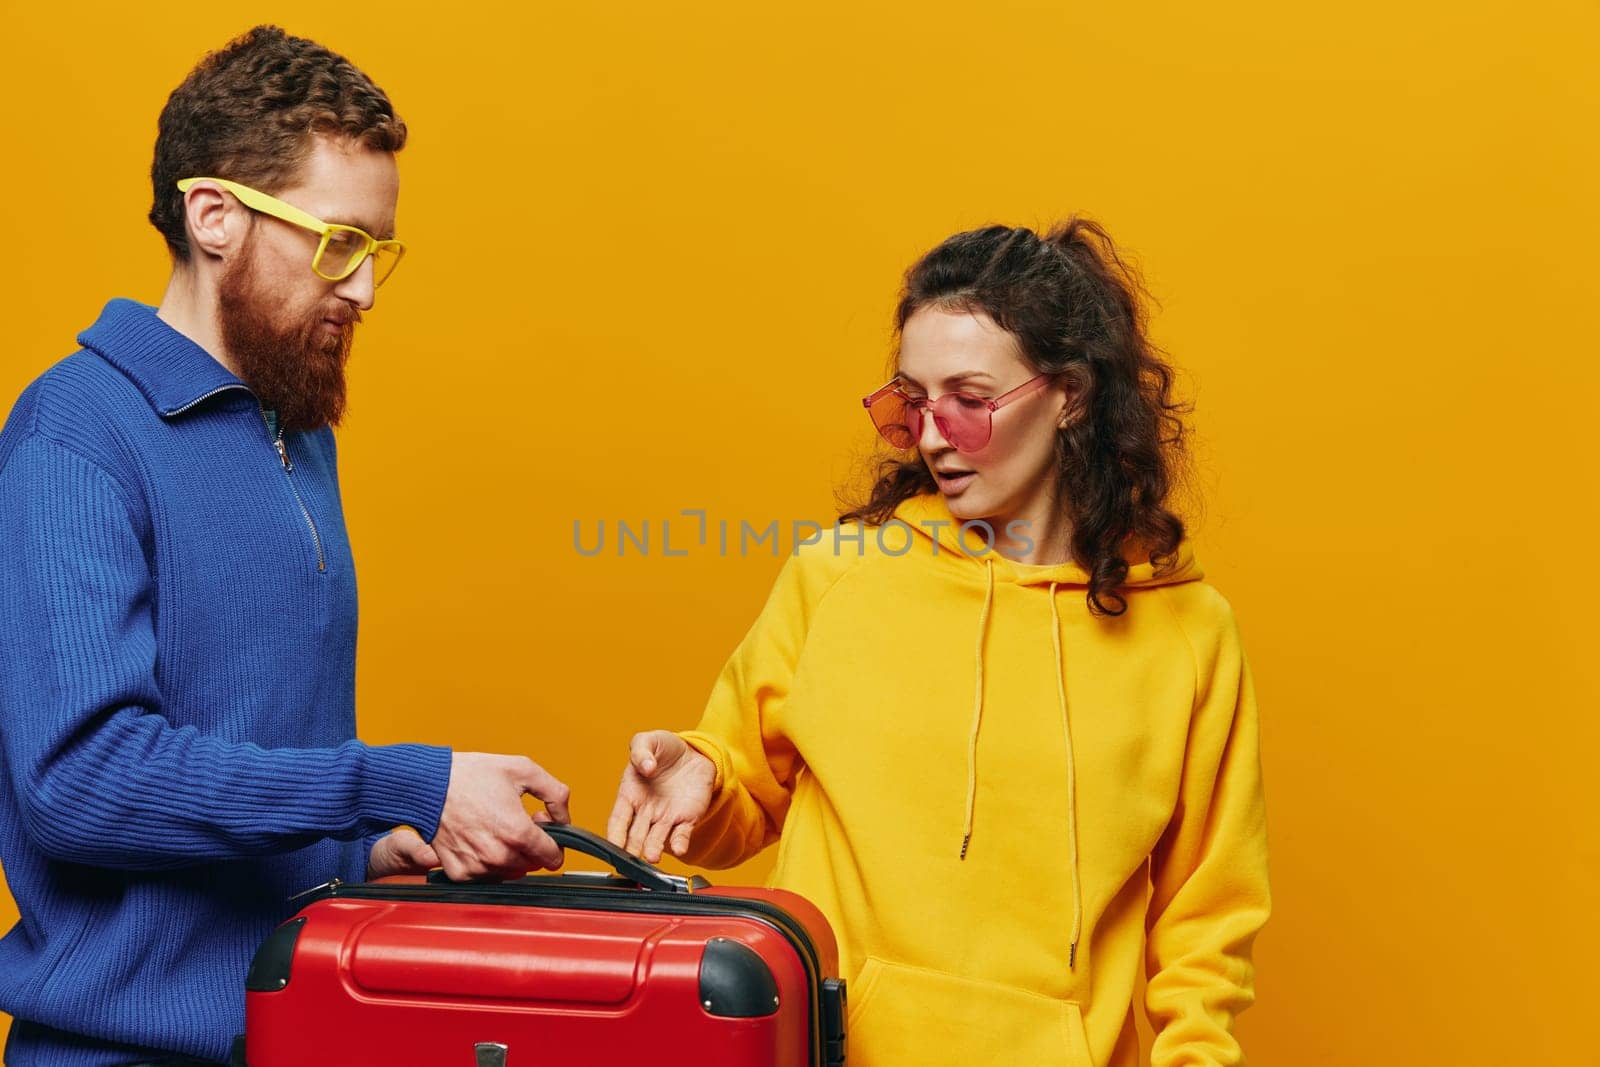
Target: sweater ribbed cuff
406, 785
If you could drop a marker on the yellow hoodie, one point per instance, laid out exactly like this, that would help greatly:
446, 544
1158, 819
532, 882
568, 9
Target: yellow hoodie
1005, 806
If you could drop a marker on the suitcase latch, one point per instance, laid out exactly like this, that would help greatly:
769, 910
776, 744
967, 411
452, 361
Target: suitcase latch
490, 1054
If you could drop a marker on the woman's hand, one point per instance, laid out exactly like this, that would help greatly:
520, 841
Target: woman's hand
665, 789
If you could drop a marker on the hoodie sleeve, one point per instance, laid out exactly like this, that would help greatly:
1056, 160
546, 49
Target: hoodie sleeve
740, 730
1209, 872
101, 776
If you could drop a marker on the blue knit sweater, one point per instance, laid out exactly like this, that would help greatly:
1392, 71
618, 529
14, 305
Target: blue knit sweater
177, 698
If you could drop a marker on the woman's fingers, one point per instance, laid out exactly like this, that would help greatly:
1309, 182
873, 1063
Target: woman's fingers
621, 817
679, 841
638, 830
656, 838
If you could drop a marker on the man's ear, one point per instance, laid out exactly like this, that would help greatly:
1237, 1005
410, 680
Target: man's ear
215, 221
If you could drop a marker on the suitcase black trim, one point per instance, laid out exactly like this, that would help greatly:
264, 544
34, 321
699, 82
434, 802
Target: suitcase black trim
827, 1044
735, 982
269, 970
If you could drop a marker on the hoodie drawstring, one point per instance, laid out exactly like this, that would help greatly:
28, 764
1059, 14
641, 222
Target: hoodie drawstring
977, 711
1072, 782
1066, 729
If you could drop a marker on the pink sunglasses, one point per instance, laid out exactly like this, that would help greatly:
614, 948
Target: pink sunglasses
965, 419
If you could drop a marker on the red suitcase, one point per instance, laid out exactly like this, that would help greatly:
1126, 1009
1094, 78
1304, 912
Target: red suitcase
549, 969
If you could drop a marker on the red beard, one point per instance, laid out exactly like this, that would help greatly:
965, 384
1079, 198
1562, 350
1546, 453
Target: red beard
296, 369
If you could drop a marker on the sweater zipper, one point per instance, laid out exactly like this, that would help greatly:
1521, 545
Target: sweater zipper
288, 473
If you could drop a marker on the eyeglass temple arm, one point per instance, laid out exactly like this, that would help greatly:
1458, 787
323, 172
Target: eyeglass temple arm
1038, 381
271, 205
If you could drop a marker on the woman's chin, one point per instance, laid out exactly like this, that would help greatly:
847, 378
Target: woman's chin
967, 507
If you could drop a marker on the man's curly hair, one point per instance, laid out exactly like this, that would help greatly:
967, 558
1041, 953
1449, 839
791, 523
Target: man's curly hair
251, 112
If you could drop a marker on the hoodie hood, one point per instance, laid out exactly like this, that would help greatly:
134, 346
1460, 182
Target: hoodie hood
930, 520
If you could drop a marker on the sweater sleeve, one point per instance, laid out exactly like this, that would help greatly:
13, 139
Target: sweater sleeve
101, 777
741, 730
1209, 875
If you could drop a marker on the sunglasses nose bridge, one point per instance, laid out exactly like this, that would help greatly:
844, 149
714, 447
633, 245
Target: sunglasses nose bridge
932, 431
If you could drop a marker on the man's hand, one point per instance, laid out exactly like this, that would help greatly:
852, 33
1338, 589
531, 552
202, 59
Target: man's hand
665, 789
401, 852
484, 832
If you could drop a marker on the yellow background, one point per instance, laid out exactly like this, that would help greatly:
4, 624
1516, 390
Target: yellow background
654, 250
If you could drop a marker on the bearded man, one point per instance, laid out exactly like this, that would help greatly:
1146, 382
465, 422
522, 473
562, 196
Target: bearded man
178, 597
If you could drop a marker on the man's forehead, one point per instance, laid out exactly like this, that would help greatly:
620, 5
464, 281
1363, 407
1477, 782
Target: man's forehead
344, 182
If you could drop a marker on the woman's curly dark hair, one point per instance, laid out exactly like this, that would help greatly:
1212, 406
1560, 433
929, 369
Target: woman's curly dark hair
1077, 311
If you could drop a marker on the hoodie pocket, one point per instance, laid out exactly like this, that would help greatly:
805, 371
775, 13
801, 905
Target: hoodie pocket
900, 1014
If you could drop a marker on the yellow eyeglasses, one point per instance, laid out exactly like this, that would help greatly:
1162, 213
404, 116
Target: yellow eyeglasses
342, 248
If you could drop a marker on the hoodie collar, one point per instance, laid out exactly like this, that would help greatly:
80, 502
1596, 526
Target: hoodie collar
929, 517
172, 372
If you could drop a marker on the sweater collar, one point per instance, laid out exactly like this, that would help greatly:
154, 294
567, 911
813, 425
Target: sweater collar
172, 372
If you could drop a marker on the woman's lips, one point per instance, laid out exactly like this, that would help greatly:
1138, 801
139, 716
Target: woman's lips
951, 483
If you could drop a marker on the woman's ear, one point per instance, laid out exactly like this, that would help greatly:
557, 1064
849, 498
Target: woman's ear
1076, 404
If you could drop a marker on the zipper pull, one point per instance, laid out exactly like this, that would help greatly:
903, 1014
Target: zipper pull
331, 885
283, 454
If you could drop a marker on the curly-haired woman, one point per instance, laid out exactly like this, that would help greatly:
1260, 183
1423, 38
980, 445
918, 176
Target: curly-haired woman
1003, 734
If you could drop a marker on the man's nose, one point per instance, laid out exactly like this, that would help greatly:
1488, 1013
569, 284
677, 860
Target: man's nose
358, 289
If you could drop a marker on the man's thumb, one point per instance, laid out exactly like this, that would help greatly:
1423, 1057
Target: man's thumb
422, 854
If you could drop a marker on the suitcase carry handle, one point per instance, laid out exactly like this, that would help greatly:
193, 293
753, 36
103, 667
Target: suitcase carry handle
633, 868
629, 866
